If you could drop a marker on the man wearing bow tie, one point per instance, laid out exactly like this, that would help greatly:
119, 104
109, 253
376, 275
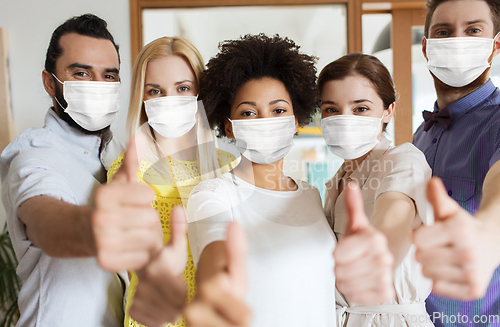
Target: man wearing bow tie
461, 142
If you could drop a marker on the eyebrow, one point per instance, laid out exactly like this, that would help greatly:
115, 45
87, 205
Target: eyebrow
83, 66
184, 81
153, 85
355, 101
270, 102
470, 22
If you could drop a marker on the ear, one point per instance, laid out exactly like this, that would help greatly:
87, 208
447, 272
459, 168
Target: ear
496, 46
388, 113
48, 83
424, 48
228, 128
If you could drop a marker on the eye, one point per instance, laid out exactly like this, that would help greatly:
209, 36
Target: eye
110, 77
442, 33
330, 110
154, 92
361, 109
279, 111
474, 30
183, 89
81, 74
247, 113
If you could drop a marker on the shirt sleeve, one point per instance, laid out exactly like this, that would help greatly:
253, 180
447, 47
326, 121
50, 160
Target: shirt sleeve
406, 171
26, 176
208, 214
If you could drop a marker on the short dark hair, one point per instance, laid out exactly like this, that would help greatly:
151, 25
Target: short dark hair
86, 25
254, 57
433, 4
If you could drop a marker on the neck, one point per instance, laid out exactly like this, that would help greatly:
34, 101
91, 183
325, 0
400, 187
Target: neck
446, 94
266, 176
182, 148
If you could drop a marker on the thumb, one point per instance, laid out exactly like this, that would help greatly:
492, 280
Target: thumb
130, 164
443, 205
355, 209
236, 252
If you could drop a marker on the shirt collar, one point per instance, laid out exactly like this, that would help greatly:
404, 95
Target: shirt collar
470, 101
73, 135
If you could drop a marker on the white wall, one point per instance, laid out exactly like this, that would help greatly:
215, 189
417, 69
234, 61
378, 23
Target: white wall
29, 25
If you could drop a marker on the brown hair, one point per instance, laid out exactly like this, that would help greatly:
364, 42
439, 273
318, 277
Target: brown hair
433, 4
365, 65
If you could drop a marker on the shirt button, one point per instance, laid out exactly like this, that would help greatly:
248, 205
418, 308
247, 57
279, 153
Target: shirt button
86, 152
434, 141
450, 192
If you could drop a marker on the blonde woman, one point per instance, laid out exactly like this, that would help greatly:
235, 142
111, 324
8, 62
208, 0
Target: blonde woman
181, 152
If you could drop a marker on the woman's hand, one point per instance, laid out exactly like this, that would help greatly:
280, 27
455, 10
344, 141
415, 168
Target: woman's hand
363, 263
220, 298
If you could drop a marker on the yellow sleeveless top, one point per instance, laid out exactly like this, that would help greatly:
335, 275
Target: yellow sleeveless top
186, 175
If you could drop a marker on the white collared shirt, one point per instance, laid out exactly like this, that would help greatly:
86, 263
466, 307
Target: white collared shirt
61, 162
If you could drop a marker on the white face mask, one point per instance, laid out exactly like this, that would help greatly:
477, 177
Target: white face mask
92, 105
172, 116
264, 140
351, 137
458, 61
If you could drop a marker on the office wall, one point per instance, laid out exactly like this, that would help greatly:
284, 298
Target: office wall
29, 25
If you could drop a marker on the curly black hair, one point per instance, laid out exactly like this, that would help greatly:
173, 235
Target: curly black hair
254, 57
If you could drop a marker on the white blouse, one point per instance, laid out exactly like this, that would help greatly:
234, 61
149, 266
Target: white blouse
387, 169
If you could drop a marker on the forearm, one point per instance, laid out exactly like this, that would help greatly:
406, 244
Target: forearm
392, 216
60, 229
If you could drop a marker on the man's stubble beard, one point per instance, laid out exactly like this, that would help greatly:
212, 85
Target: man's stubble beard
442, 88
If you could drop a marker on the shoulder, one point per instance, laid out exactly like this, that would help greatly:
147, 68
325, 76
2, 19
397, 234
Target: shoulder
226, 158
214, 186
30, 144
405, 154
308, 188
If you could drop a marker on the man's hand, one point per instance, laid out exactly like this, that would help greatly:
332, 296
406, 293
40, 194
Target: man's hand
126, 227
363, 263
455, 251
161, 292
220, 299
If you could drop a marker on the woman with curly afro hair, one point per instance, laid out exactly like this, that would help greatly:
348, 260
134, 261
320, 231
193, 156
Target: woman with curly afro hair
257, 91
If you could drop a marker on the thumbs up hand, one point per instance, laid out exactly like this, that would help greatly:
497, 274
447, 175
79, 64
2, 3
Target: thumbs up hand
220, 299
363, 263
455, 252
161, 292
127, 229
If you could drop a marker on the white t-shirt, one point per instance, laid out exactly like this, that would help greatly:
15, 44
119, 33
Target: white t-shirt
290, 262
387, 169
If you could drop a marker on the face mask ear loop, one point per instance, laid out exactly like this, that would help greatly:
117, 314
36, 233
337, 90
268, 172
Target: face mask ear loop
60, 105
57, 79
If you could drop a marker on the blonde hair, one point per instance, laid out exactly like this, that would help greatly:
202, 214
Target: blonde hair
160, 48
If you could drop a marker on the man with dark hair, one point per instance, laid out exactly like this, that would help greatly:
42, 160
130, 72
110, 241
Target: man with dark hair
461, 141
64, 225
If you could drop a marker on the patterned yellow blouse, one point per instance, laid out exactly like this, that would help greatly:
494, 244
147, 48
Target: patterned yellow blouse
168, 195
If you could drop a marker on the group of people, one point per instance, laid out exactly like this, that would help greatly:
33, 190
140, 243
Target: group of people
175, 231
